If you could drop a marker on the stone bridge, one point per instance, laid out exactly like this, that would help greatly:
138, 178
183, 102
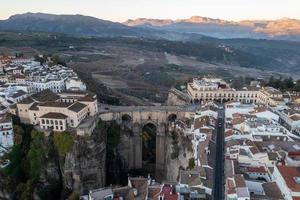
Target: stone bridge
135, 118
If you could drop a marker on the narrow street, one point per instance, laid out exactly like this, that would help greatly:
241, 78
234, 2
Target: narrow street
218, 192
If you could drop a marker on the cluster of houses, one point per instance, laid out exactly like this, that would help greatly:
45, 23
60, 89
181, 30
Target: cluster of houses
146, 188
52, 97
262, 154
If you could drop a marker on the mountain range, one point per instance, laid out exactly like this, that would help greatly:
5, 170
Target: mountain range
182, 29
284, 28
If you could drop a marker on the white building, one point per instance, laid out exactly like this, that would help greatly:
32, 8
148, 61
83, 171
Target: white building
75, 84
6, 133
212, 89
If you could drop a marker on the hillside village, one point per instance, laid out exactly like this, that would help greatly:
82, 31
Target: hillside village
26, 84
260, 127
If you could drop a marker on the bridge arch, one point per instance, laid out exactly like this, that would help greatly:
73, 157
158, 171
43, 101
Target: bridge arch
149, 134
126, 118
172, 117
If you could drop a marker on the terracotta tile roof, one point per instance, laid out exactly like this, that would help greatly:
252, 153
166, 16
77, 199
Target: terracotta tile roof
254, 150
231, 186
271, 190
5, 118
289, 174
56, 104
34, 106
77, 107
293, 153
236, 121
44, 96
239, 180
141, 185
54, 115
27, 100
125, 192
295, 117
256, 169
201, 121
167, 193
228, 133
260, 109
154, 191
87, 98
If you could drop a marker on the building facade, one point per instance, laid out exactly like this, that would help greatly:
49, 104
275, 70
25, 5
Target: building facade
212, 89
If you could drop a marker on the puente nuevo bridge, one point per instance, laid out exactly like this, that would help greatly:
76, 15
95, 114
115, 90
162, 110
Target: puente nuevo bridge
137, 117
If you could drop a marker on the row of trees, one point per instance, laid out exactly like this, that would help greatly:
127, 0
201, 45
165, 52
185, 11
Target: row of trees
286, 84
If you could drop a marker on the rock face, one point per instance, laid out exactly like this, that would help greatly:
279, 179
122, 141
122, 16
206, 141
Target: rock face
83, 168
177, 98
173, 165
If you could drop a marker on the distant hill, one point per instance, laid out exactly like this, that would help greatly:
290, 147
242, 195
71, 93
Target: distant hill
192, 29
285, 28
84, 26
68, 24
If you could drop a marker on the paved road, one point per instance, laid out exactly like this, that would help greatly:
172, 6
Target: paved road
218, 193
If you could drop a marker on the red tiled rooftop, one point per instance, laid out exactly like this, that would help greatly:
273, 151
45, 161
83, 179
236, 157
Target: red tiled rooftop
256, 169
167, 193
87, 98
294, 153
289, 173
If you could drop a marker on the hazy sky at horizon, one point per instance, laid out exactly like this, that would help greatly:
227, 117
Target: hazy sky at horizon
121, 10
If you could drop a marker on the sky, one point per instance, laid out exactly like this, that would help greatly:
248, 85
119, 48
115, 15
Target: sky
121, 10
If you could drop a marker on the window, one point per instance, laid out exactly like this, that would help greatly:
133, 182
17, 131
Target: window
60, 123
43, 121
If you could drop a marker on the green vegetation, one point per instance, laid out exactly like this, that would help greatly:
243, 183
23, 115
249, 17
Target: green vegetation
159, 79
113, 138
24, 191
35, 154
74, 196
149, 143
63, 142
286, 84
175, 146
262, 54
191, 163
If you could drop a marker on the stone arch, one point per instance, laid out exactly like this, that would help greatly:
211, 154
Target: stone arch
149, 134
172, 117
126, 118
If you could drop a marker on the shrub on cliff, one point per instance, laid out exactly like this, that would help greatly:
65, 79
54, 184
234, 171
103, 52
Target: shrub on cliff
35, 154
63, 142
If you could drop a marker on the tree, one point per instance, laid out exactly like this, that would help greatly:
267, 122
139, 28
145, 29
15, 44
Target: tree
191, 163
19, 132
35, 154
63, 142
74, 196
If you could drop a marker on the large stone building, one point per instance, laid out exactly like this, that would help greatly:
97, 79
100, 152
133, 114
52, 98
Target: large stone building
57, 112
215, 89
